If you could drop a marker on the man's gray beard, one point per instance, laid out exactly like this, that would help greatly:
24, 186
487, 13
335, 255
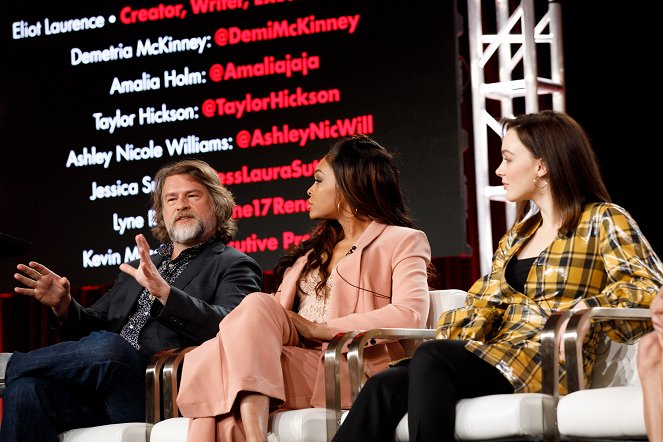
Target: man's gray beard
187, 233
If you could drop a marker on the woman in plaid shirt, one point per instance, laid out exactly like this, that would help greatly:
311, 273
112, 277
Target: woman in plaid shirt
570, 247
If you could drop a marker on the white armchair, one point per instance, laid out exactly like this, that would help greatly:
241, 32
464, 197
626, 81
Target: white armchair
311, 424
612, 407
526, 416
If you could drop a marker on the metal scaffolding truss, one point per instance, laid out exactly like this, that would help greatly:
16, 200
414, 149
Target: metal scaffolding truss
516, 65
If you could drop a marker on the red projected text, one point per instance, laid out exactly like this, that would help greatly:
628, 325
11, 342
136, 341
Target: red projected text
253, 243
205, 6
268, 66
269, 206
296, 169
161, 12
320, 130
276, 100
284, 29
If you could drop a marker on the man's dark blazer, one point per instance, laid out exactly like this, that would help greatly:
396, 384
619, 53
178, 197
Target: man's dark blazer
211, 285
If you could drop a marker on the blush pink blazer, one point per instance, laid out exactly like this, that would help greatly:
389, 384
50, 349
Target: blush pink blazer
382, 283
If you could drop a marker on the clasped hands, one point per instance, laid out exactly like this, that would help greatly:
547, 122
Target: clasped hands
308, 330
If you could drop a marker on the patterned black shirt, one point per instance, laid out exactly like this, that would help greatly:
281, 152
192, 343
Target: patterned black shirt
169, 270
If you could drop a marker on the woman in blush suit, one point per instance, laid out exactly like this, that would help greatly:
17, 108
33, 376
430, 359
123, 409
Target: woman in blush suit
363, 267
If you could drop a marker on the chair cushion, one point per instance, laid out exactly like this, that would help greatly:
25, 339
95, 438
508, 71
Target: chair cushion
613, 412
494, 417
170, 430
307, 425
129, 432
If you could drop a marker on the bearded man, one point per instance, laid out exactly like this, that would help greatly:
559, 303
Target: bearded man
174, 298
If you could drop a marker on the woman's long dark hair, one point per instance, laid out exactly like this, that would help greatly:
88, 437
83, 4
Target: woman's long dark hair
369, 184
573, 172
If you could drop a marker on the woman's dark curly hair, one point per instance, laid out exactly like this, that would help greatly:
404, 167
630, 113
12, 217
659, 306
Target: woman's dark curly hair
368, 183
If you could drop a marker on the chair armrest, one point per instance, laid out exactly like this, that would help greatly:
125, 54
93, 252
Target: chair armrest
161, 378
576, 330
171, 375
360, 341
332, 363
550, 339
153, 386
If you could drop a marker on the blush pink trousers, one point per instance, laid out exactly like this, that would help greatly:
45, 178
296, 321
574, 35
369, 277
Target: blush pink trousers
257, 349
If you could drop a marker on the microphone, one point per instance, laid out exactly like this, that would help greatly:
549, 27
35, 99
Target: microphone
352, 249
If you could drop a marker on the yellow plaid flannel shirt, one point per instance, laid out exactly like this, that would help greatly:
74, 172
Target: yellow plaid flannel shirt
606, 262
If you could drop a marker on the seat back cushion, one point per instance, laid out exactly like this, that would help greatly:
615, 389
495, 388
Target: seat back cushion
442, 301
616, 365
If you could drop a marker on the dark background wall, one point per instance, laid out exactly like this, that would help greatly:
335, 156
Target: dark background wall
613, 54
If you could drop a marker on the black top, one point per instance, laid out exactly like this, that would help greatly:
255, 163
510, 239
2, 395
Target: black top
516, 272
